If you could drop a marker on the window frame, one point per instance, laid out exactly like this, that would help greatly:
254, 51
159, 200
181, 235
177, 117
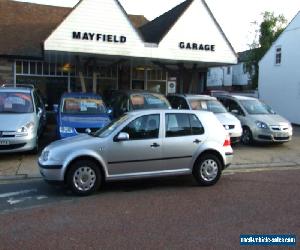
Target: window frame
278, 55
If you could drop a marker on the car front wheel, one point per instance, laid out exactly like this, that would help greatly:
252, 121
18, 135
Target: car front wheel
84, 177
207, 170
247, 137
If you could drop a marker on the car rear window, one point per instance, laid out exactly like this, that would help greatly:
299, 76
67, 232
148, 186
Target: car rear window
15, 102
77, 105
209, 105
149, 101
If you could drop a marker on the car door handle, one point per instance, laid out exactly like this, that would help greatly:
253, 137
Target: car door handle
197, 141
155, 145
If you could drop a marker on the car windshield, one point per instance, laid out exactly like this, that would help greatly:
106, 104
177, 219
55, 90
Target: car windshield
15, 102
149, 101
84, 105
255, 107
110, 127
209, 105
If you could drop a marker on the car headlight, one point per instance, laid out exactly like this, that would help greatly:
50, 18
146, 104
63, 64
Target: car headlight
24, 130
45, 155
66, 130
262, 125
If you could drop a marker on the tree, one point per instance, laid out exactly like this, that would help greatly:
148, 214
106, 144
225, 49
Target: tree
268, 31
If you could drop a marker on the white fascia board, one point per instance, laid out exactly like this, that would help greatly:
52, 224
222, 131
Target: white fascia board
197, 26
100, 27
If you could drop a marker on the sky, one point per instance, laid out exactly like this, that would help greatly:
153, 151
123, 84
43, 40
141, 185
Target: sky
235, 17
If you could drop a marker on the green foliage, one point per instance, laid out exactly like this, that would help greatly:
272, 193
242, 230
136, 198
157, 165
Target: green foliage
269, 30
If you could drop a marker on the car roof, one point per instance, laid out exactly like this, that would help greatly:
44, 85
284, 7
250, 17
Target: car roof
16, 89
202, 97
137, 91
240, 97
81, 94
180, 111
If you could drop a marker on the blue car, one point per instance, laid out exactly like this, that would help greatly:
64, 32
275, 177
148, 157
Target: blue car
80, 113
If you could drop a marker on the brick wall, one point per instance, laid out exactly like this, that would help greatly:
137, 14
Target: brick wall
6, 71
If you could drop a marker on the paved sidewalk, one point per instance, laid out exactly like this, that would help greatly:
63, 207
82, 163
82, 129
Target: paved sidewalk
24, 165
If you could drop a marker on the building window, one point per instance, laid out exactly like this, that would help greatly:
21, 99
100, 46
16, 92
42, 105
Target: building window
208, 73
228, 70
278, 56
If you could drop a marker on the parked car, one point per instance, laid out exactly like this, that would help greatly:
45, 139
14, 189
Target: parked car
23, 118
148, 143
80, 113
260, 123
208, 103
130, 100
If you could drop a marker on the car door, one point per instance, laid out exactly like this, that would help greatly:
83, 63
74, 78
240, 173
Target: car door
142, 152
184, 134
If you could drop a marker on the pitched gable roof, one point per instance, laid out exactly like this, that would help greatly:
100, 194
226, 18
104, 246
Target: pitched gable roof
154, 31
24, 27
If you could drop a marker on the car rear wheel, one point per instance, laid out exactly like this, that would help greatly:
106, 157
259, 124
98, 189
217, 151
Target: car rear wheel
247, 137
207, 170
84, 177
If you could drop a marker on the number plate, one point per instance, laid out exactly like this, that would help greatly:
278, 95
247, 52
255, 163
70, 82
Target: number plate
281, 134
2, 143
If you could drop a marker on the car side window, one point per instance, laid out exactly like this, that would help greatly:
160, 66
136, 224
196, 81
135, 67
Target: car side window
183, 125
233, 105
196, 125
144, 127
180, 103
177, 125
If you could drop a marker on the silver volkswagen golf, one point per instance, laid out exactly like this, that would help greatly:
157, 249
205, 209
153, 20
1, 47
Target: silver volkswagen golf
140, 144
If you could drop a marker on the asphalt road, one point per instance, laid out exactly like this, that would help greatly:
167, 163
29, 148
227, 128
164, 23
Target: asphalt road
169, 213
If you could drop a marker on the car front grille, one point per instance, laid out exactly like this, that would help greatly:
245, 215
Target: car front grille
12, 146
83, 130
279, 128
229, 126
282, 138
7, 134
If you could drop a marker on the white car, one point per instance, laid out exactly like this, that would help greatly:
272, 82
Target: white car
209, 103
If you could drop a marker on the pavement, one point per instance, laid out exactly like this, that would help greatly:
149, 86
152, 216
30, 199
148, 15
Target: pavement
24, 165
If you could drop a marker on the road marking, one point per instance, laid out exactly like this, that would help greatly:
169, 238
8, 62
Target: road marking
6, 195
252, 170
13, 201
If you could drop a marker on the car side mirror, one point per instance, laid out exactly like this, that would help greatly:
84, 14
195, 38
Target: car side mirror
122, 137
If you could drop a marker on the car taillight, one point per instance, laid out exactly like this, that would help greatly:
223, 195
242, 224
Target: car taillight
227, 141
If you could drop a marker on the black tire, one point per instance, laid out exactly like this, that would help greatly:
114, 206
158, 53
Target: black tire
207, 170
84, 177
247, 138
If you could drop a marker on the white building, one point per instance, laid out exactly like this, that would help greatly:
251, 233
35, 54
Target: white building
233, 77
96, 47
279, 73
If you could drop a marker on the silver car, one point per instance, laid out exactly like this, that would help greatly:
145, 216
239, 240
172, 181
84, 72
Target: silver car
260, 123
140, 144
209, 103
23, 118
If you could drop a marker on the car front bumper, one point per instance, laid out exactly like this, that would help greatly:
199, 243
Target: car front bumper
51, 173
262, 135
17, 144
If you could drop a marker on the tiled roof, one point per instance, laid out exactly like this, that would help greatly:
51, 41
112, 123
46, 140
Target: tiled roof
25, 26
154, 31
